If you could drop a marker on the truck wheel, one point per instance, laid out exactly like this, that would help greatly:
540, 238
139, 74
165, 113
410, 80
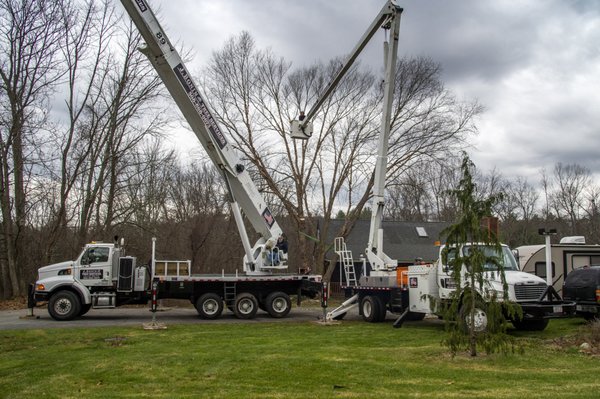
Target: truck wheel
245, 306
371, 307
278, 304
64, 305
531, 325
481, 319
209, 306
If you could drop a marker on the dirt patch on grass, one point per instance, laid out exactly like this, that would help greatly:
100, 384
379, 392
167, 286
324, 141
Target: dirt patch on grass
587, 340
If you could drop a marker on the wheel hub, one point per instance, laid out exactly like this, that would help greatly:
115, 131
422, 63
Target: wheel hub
63, 306
245, 307
279, 305
480, 320
210, 307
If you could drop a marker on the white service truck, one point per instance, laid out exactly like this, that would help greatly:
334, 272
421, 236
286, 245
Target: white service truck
412, 290
102, 277
385, 287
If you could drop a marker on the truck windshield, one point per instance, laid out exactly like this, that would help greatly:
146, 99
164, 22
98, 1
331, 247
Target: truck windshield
504, 258
95, 255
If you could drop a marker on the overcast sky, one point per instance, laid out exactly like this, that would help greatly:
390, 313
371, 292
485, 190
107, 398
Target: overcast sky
533, 64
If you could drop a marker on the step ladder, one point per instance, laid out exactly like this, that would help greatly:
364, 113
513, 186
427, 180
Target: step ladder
229, 293
345, 256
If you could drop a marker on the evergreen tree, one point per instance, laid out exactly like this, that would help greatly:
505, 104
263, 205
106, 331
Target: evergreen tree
469, 248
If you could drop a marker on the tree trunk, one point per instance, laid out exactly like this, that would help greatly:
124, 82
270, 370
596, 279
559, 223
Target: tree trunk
15, 259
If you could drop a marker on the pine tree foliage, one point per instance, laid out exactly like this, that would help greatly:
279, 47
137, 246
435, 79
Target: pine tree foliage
475, 317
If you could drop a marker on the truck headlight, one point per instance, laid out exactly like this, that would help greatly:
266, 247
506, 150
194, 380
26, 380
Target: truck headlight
40, 287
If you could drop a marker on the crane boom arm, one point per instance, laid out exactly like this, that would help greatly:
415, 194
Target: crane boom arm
302, 128
170, 67
388, 19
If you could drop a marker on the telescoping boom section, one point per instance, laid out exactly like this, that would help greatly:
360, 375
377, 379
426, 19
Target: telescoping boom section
244, 195
389, 20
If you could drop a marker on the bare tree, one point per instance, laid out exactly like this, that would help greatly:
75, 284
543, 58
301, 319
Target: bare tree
593, 200
196, 190
409, 198
571, 182
31, 38
525, 197
443, 177
88, 30
546, 188
428, 123
517, 209
126, 108
256, 94
149, 187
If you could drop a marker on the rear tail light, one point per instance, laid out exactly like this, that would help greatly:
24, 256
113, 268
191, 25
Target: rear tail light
598, 295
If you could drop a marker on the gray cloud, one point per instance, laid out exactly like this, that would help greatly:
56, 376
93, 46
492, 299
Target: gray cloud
534, 64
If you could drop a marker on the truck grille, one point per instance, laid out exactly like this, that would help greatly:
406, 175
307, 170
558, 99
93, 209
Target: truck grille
527, 292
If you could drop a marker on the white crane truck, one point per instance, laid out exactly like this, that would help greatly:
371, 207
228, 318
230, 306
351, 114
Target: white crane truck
408, 291
103, 277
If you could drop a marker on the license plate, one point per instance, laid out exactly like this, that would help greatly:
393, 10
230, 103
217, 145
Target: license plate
557, 309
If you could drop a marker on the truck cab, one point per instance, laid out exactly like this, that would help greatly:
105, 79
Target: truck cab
538, 301
93, 267
92, 280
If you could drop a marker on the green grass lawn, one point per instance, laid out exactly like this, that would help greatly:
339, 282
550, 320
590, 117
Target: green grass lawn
287, 360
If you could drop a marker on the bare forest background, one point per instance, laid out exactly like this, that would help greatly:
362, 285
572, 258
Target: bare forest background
83, 122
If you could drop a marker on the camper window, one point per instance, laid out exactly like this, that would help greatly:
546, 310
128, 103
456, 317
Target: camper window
540, 269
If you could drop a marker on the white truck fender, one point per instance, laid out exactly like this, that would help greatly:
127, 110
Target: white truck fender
84, 293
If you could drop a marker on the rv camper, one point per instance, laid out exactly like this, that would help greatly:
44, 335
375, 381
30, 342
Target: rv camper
570, 254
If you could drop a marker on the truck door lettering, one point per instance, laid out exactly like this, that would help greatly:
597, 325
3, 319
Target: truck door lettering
91, 274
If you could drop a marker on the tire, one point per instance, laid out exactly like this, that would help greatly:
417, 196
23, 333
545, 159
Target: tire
278, 304
481, 319
382, 309
372, 309
531, 325
209, 306
85, 308
245, 306
64, 306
